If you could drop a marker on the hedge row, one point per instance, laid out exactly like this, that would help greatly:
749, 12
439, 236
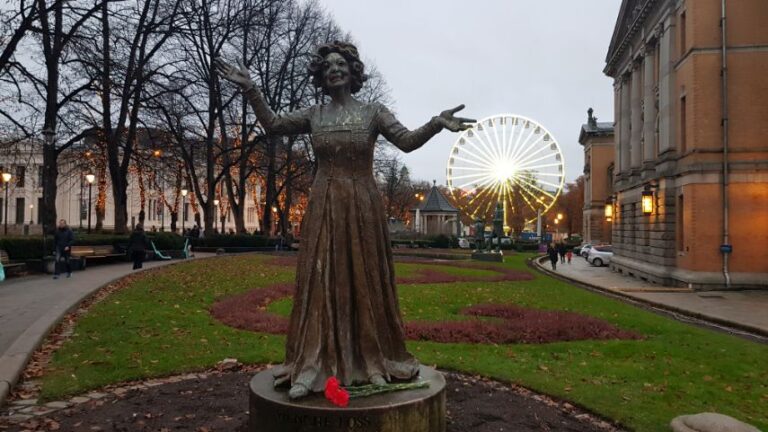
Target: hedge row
26, 248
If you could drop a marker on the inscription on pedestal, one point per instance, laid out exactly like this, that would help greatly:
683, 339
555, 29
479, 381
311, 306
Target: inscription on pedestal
329, 422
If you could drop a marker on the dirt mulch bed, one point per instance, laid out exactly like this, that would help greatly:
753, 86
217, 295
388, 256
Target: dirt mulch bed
219, 402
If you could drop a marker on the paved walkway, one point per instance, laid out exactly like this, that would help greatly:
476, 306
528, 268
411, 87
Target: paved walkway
746, 309
31, 306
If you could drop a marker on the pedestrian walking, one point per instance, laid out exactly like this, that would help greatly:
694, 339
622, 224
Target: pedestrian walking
561, 252
552, 253
569, 255
63, 238
137, 246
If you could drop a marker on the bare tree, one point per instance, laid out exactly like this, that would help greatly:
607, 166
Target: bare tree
60, 25
121, 59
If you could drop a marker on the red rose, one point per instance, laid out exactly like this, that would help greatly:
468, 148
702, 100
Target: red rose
335, 393
331, 387
341, 398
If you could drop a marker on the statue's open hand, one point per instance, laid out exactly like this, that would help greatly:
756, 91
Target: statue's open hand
238, 75
455, 124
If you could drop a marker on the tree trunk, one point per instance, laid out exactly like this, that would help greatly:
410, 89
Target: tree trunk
272, 142
285, 219
208, 215
120, 198
50, 179
101, 199
174, 219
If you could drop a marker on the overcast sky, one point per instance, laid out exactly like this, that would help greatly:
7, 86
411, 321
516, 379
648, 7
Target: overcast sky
542, 59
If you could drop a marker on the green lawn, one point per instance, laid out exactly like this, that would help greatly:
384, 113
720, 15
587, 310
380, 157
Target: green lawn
160, 325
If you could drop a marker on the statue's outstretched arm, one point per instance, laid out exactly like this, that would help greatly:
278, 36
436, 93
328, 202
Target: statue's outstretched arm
293, 123
407, 140
296, 122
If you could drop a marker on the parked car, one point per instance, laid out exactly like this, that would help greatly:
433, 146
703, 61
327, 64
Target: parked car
584, 250
600, 255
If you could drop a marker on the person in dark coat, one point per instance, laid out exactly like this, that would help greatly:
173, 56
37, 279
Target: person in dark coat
552, 253
561, 251
63, 238
137, 245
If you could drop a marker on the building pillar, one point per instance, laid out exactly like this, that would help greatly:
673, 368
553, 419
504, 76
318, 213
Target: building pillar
649, 110
617, 86
666, 85
636, 122
624, 130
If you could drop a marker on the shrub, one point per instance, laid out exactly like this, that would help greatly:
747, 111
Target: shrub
441, 241
24, 248
526, 246
167, 240
414, 243
238, 240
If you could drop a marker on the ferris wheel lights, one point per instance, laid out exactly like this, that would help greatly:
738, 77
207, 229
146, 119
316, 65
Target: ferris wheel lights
506, 162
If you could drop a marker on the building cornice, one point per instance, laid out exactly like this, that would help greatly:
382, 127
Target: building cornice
621, 41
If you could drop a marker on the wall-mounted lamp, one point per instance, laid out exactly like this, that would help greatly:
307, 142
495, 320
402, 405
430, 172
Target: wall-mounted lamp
609, 209
648, 200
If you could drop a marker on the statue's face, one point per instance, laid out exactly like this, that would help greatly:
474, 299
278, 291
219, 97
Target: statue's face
336, 72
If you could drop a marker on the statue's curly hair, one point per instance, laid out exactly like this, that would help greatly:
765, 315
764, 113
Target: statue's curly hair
349, 51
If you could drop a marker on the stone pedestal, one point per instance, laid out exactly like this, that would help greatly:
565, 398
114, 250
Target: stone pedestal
421, 410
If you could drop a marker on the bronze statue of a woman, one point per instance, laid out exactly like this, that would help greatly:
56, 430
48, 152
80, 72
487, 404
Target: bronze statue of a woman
346, 318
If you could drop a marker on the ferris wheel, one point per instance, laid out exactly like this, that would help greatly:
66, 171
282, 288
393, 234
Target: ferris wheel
506, 159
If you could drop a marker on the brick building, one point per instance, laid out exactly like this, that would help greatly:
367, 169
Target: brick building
691, 121
598, 142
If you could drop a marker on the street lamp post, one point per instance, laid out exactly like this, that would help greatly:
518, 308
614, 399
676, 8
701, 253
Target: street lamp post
215, 211
274, 219
184, 193
90, 178
6, 179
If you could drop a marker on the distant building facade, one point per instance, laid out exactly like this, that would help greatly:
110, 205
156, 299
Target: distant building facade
691, 121
436, 215
72, 198
598, 142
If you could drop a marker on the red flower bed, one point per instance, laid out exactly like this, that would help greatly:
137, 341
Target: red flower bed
434, 275
248, 311
518, 325
514, 325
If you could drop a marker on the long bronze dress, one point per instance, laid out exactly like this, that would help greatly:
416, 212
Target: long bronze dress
346, 317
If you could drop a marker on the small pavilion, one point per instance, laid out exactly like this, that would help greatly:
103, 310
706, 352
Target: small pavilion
435, 215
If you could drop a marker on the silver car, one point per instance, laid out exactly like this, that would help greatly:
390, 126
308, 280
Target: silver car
600, 255
584, 250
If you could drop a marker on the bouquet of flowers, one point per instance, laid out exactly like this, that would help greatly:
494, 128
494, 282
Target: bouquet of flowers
340, 396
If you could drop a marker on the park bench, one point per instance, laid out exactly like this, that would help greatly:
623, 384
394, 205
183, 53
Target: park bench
97, 252
7, 264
